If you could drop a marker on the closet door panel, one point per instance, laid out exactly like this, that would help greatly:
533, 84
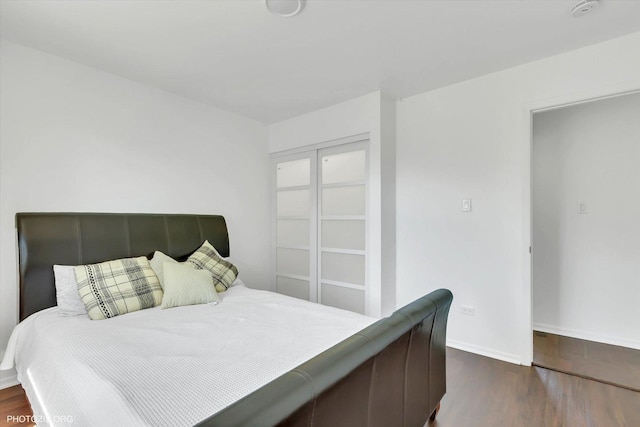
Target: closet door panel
344, 268
345, 298
293, 287
292, 261
350, 200
293, 203
293, 232
293, 173
344, 167
343, 234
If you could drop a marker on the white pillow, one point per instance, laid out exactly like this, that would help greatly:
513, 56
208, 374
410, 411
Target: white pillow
184, 285
156, 263
67, 295
159, 258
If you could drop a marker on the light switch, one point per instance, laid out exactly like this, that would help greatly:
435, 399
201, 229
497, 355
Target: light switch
466, 205
582, 208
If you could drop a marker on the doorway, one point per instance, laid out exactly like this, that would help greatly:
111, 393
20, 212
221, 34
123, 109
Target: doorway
585, 207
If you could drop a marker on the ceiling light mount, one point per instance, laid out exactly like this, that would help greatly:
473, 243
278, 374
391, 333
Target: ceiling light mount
583, 7
285, 8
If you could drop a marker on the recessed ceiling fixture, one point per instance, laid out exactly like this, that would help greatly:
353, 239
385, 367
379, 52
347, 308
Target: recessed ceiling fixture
583, 7
286, 8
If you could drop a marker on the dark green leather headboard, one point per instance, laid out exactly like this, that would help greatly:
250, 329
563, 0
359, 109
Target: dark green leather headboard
45, 239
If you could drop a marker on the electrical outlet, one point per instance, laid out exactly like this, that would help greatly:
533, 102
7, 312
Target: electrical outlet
468, 310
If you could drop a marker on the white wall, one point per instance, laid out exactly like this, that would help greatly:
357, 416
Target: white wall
74, 138
373, 114
471, 140
353, 117
586, 266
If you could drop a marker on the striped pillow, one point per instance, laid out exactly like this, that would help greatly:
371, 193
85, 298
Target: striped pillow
116, 287
207, 258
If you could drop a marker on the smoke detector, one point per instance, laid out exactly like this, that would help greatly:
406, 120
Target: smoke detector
583, 7
285, 8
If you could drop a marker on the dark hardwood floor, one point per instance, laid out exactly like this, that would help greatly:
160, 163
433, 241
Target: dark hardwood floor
487, 392
603, 362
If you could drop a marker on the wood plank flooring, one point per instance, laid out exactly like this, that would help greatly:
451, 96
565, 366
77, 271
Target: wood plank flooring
603, 362
14, 408
484, 392
487, 392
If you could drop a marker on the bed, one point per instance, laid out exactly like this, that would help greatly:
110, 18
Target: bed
255, 359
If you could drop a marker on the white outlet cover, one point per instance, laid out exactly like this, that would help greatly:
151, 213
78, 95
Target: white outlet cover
468, 310
466, 205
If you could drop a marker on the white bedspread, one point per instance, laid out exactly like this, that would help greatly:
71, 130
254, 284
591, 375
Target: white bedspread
170, 367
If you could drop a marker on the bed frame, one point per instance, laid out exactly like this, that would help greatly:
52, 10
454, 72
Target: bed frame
390, 374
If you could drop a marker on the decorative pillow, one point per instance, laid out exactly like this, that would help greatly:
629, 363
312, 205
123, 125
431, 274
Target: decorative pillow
67, 296
116, 287
238, 282
184, 285
156, 263
207, 258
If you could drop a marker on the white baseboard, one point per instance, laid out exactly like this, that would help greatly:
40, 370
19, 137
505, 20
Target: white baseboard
585, 335
9, 381
483, 351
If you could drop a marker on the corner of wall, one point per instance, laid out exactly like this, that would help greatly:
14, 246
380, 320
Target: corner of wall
388, 200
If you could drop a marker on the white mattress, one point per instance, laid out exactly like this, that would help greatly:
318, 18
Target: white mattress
170, 367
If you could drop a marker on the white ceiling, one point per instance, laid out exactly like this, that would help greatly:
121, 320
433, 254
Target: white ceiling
234, 55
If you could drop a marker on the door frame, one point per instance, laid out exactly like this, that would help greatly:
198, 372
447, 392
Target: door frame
528, 110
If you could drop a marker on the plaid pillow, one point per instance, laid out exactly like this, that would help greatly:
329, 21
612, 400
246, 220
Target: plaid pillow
207, 258
111, 288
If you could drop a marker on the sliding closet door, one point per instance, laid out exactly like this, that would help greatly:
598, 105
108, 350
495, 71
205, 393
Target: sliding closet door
295, 231
320, 225
342, 205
